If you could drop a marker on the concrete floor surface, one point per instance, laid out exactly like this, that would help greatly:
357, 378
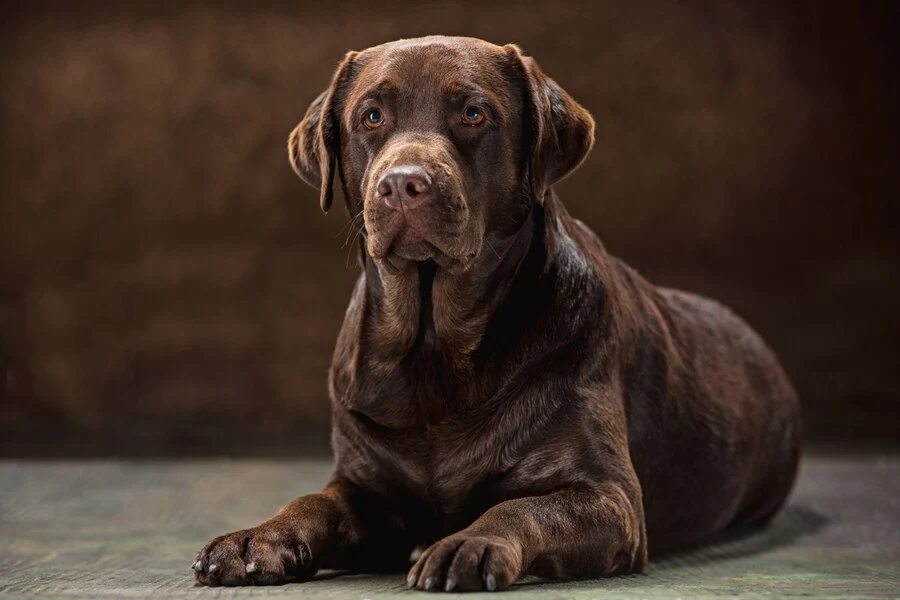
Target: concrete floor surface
96, 529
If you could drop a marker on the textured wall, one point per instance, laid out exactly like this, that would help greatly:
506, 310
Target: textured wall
164, 275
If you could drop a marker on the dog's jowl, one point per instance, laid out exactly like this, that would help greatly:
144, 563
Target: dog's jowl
505, 393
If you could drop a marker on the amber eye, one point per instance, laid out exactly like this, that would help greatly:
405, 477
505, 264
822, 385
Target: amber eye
472, 116
373, 119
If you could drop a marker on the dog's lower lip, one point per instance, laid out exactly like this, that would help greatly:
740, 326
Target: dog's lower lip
394, 262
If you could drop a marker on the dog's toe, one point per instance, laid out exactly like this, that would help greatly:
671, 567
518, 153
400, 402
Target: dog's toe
255, 556
463, 563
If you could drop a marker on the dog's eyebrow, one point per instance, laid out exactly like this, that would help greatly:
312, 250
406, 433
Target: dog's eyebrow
459, 92
382, 89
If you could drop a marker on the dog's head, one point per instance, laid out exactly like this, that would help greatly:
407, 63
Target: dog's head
440, 143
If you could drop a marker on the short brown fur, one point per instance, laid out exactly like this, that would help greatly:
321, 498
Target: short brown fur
505, 392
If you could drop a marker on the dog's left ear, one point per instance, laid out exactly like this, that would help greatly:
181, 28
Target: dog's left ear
314, 147
558, 132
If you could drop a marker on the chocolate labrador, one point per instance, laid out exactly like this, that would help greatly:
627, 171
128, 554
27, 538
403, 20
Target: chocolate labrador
504, 392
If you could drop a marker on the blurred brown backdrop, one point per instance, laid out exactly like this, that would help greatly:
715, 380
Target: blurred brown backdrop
166, 282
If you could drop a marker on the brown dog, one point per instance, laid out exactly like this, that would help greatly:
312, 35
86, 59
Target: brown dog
502, 388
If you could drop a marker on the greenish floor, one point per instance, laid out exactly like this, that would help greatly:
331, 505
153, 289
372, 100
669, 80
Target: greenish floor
93, 529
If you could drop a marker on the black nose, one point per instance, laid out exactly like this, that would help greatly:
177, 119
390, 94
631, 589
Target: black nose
408, 185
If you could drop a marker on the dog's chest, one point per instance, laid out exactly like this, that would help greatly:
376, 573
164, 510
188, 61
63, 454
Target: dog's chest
434, 444
455, 479
446, 446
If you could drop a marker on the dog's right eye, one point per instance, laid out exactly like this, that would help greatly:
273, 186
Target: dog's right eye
373, 119
472, 116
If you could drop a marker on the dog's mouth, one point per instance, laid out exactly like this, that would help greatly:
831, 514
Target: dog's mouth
423, 254
400, 245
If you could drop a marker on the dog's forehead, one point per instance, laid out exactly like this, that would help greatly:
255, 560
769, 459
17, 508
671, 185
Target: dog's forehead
441, 65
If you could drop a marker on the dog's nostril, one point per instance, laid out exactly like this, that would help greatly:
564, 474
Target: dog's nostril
417, 185
404, 186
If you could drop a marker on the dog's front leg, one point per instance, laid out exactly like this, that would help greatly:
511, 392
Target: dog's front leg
341, 527
577, 532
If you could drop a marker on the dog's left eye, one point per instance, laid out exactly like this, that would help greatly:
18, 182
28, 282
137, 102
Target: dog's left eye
472, 117
373, 119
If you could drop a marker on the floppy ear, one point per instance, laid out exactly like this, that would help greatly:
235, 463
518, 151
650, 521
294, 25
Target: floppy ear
314, 147
558, 132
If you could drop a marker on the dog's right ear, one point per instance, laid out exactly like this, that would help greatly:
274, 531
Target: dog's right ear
314, 147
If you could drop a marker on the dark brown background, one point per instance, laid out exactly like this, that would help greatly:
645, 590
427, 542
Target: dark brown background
166, 282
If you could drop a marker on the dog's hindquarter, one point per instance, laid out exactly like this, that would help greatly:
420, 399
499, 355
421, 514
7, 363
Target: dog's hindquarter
714, 430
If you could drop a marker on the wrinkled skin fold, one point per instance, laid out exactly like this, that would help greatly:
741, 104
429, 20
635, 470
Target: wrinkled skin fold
505, 393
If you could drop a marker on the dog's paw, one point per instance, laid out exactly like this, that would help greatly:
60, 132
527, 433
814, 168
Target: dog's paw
467, 563
259, 556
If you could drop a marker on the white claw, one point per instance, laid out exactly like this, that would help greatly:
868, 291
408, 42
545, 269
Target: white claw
251, 567
490, 582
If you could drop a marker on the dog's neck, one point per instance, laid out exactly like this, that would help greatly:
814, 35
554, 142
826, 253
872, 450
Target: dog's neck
428, 309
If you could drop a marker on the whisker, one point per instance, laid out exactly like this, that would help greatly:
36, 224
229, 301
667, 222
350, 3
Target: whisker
347, 224
350, 249
491, 246
352, 221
